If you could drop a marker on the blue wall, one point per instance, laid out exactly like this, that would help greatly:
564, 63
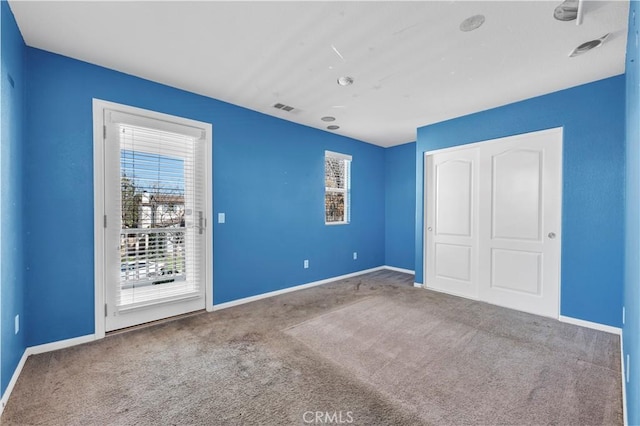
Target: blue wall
11, 249
400, 206
268, 179
268, 176
631, 328
593, 180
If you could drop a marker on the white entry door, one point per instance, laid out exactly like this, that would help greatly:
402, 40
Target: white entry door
518, 216
155, 238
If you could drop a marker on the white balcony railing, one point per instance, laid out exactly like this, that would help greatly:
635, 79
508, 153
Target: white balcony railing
153, 265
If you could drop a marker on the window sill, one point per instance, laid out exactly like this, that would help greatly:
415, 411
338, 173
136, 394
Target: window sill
336, 223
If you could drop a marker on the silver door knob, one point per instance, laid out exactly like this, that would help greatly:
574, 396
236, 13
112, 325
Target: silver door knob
552, 235
429, 229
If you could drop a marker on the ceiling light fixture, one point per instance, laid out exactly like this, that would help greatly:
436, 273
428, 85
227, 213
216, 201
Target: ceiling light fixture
333, 127
345, 81
589, 45
328, 118
472, 23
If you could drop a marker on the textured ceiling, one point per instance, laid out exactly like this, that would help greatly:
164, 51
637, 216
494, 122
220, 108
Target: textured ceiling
410, 62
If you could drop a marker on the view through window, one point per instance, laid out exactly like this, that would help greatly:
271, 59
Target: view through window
337, 182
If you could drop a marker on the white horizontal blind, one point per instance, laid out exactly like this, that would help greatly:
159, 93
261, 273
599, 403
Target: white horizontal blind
337, 178
161, 204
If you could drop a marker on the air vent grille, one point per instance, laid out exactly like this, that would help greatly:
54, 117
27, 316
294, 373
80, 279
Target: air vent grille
283, 107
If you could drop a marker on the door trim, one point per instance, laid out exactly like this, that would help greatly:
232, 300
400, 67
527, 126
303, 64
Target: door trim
426, 154
99, 203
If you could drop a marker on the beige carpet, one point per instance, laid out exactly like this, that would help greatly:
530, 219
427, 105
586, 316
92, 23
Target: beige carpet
451, 372
372, 349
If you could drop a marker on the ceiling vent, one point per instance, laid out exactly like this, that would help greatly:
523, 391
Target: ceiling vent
284, 107
591, 44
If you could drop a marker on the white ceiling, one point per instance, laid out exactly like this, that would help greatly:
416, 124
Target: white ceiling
411, 64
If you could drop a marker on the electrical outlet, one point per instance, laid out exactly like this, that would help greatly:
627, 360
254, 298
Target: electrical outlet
17, 324
221, 218
355, 255
623, 315
306, 263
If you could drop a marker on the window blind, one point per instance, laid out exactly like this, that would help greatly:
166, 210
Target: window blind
161, 204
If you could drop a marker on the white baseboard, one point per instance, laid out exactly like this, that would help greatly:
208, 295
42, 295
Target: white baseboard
623, 372
33, 350
418, 285
242, 301
12, 382
589, 324
60, 344
404, 271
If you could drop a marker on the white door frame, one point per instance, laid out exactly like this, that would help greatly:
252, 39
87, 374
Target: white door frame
99, 203
473, 145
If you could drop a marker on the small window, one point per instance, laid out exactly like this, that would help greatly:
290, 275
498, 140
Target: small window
337, 188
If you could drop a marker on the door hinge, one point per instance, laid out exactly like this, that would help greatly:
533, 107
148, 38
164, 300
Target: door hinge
104, 132
105, 309
105, 220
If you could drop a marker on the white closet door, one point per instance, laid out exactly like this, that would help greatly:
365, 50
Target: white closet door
452, 222
520, 242
492, 221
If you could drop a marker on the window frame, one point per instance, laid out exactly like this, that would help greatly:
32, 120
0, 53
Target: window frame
345, 160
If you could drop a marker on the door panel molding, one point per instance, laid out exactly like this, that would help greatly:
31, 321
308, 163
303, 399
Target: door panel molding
525, 224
